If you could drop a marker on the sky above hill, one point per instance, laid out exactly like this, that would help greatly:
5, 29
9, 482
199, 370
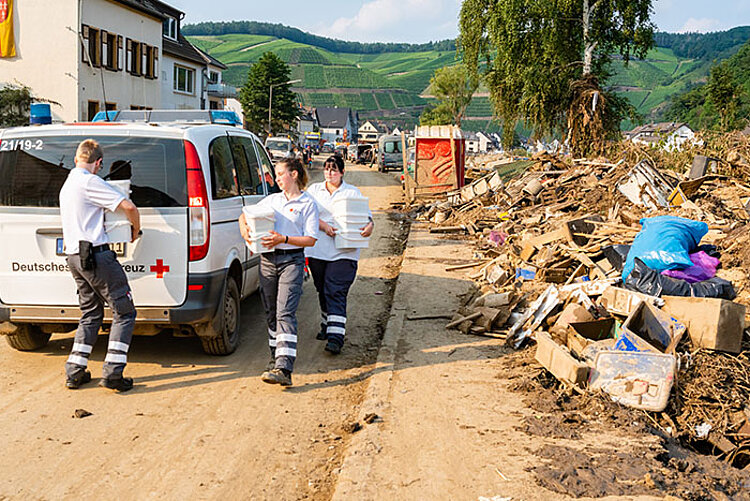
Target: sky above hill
425, 20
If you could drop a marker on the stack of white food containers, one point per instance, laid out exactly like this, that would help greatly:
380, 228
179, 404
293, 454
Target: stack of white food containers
260, 221
351, 214
116, 224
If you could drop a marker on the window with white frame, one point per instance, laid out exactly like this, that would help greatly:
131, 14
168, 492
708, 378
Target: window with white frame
169, 28
184, 79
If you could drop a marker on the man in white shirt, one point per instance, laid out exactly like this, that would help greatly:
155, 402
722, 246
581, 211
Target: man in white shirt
99, 277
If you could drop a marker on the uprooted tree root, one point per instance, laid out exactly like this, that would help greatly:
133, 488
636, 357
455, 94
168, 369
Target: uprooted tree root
587, 120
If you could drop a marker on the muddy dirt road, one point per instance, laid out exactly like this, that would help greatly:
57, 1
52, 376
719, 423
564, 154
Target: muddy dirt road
195, 426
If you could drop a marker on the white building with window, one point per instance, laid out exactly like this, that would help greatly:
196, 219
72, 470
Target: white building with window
92, 55
87, 55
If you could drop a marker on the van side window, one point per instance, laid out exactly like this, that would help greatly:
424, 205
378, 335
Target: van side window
247, 166
223, 175
269, 174
392, 147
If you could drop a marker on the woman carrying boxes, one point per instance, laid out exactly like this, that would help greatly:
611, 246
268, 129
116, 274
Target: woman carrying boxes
283, 224
346, 225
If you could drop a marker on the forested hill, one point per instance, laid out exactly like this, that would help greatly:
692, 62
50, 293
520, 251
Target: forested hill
705, 46
209, 28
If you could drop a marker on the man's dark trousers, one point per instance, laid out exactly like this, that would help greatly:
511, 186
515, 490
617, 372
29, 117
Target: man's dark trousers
106, 283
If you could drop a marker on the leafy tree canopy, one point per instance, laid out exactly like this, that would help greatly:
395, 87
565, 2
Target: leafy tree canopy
438, 114
15, 101
533, 51
254, 95
453, 88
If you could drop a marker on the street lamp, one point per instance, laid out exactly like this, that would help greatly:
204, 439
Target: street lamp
270, 98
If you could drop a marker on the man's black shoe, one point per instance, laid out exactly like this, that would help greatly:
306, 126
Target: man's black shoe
76, 380
277, 376
322, 335
333, 347
120, 384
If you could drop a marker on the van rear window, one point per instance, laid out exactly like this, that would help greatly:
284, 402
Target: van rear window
33, 169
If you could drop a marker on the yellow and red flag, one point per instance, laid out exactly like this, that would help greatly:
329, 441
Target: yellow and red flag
7, 43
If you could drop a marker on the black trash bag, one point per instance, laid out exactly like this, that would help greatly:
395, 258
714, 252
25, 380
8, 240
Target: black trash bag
647, 281
616, 255
709, 249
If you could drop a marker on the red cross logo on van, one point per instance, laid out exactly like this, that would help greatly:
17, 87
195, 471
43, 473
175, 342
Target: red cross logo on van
160, 269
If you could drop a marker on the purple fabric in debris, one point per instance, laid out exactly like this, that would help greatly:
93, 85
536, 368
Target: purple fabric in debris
704, 267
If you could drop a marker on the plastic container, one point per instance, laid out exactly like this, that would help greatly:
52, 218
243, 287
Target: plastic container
257, 247
642, 380
351, 240
350, 215
116, 224
351, 206
260, 222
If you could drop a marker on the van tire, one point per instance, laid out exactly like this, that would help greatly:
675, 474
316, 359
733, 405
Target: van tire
221, 335
28, 337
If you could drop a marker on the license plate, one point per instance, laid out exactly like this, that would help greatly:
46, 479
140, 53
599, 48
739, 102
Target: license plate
118, 247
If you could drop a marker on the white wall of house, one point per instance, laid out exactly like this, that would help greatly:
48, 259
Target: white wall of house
172, 99
122, 88
368, 133
46, 53
306, 126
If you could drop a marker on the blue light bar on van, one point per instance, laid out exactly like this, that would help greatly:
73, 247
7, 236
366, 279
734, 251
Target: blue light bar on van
101, 117
170, 116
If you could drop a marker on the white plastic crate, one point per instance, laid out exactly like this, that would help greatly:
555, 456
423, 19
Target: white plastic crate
116, 224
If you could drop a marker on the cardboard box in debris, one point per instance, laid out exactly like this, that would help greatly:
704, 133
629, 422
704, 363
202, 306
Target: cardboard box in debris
551, 237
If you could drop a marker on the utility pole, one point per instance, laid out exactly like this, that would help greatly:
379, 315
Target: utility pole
270, 100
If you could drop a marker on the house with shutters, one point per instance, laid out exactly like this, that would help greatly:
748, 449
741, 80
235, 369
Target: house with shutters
107, 54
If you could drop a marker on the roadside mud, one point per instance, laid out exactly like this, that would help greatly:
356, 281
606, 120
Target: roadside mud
645, 461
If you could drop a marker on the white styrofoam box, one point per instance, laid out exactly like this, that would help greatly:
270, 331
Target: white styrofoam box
259, 219
118, 230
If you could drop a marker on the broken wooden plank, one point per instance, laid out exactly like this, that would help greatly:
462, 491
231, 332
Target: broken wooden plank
473, 316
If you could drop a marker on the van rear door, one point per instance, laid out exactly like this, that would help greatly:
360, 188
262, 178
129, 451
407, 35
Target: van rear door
33, 167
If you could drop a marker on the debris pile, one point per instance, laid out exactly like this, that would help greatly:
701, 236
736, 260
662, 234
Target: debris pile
631, 280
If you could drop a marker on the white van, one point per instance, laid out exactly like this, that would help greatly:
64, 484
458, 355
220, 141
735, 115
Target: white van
190, 269
280, 147
390, 155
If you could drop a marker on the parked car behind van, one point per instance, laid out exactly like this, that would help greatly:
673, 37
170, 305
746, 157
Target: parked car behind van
280, 147
189, 270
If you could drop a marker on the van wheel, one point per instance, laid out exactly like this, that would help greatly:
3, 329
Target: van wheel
28, 337
221, 335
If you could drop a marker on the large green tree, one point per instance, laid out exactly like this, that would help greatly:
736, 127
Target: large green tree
544, 60
453, 87
269, 71
725, 94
